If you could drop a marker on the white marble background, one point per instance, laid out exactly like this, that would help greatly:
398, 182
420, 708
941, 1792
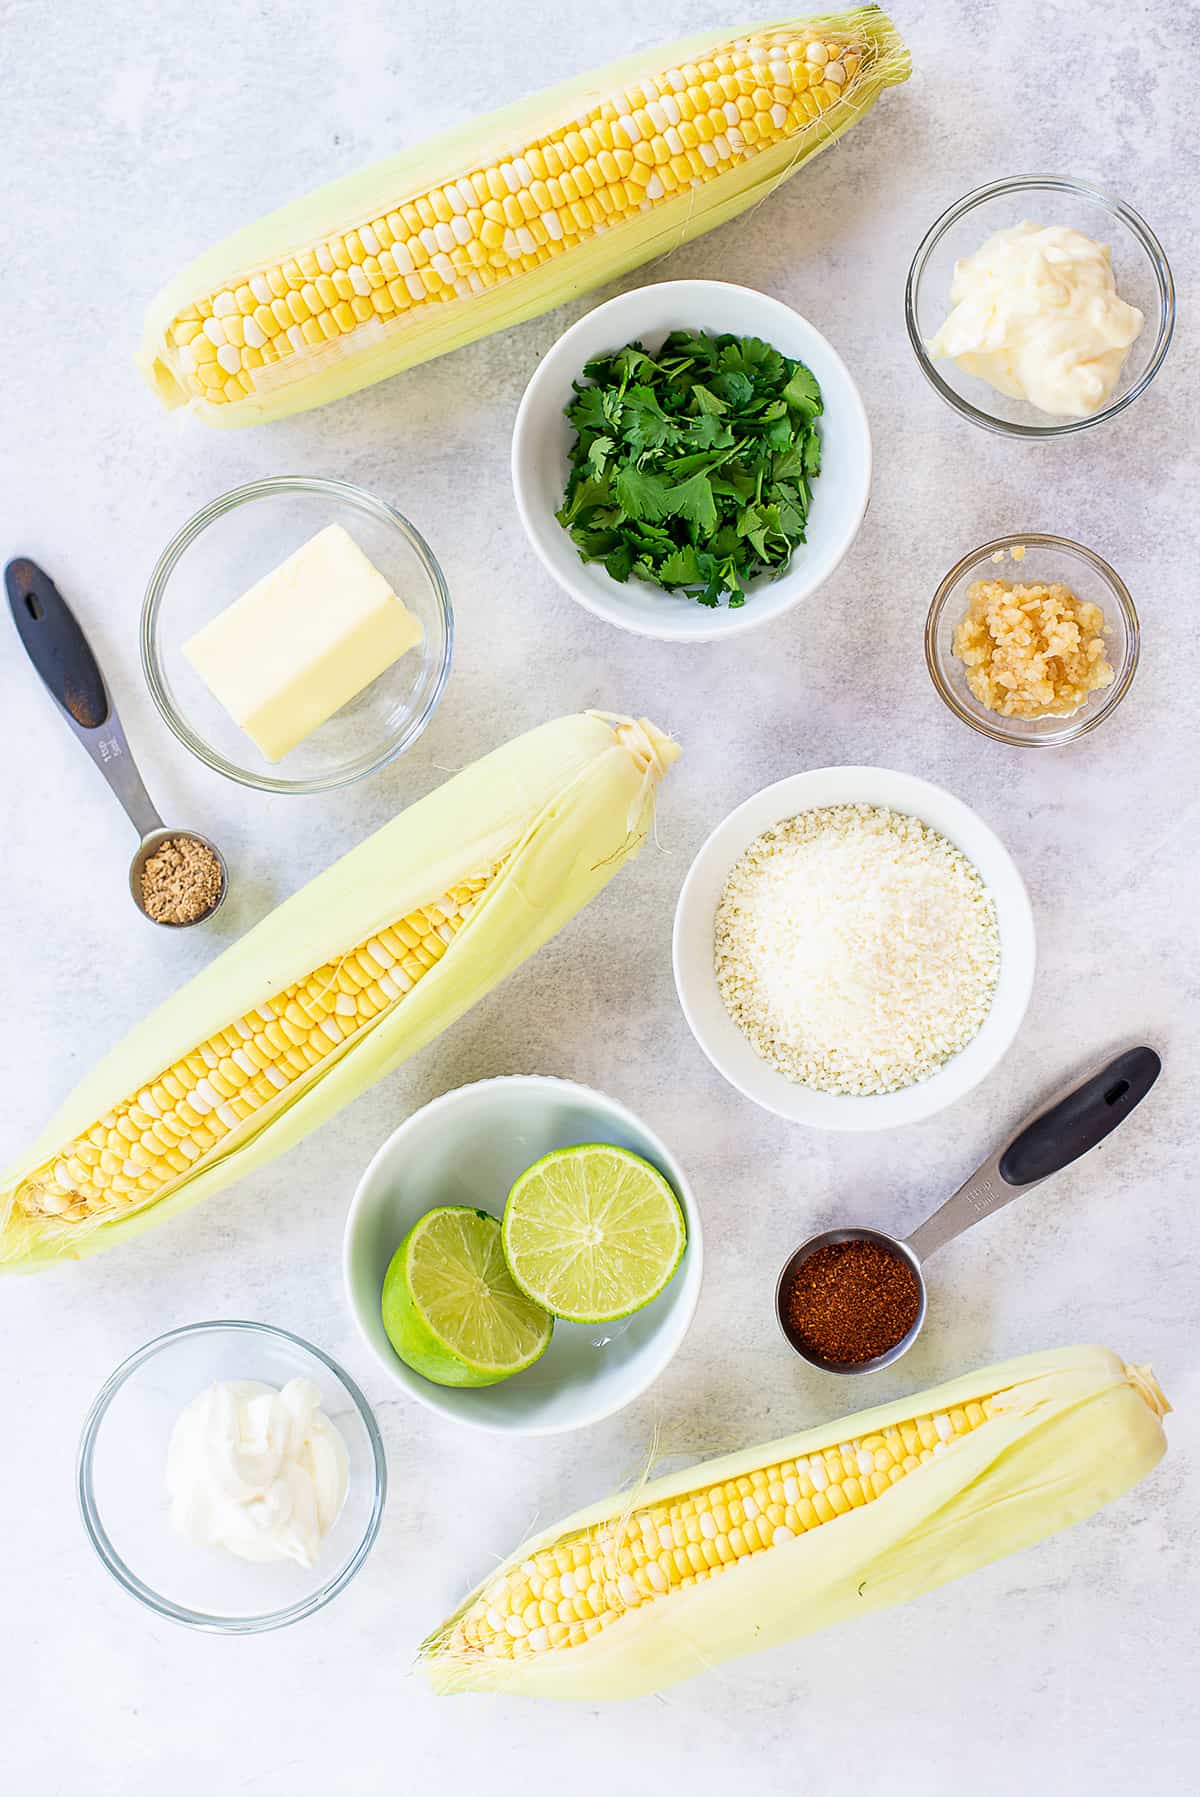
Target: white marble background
132, 136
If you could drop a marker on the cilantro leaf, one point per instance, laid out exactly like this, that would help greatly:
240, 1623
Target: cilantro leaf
643, 420
802, 393
692, 468
706, 399
681, 568
641, 495
708, 432
693, 500
587, 410
734, 388
752, 523
790, 464
587, 495
778, 434
619, 562
599, 450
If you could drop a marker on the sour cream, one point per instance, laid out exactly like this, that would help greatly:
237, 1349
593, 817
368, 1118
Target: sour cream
260, 1472
1037, 315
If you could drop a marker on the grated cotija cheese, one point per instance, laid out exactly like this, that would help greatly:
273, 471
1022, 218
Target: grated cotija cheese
856, 948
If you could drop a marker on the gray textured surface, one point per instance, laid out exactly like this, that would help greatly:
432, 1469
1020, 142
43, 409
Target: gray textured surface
131, 138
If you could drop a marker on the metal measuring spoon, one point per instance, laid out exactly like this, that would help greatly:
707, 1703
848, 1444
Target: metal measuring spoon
62, 655
1073, 1122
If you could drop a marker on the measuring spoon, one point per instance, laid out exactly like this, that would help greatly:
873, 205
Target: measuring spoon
1066, 1128
62, 655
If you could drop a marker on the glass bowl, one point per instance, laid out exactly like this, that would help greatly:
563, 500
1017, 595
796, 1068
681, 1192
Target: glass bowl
1046, 559
122, 1490
224, 549
1141, 270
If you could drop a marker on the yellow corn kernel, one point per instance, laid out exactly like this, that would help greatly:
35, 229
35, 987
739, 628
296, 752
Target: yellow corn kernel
661, 121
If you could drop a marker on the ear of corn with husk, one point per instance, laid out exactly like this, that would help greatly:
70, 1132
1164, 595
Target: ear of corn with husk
509, 215
764, 1546
339, 985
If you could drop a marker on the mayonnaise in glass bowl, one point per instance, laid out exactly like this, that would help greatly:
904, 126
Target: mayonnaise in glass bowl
123, 1494
1140, 269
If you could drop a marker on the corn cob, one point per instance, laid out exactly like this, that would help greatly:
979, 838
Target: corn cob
506, 217
340, 984
765, 1546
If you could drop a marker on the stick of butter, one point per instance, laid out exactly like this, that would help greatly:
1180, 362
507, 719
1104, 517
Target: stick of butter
303, 641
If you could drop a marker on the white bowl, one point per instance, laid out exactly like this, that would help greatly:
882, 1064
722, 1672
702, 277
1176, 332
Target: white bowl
542, 439
695, 975
468, 1148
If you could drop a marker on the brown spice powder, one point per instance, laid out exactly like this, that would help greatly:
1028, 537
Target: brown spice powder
850, 1301
181, 881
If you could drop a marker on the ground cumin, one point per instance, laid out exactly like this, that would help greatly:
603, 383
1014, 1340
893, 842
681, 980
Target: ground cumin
181, 881
850, 1301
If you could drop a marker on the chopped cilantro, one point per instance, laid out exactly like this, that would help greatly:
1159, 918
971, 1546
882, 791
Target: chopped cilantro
692, 469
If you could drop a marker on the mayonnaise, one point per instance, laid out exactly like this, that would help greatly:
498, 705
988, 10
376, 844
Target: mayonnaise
260, 1472
1037, 315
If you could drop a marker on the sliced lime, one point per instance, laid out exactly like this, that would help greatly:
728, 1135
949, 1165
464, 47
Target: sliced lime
450, 1307
592, 1233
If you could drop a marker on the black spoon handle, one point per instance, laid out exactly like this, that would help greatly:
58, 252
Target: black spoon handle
55, 644
1081, 1120
1050, 1140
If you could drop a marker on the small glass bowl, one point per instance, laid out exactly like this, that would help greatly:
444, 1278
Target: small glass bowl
121, 1475
232, 543
1141, 270
1046, 559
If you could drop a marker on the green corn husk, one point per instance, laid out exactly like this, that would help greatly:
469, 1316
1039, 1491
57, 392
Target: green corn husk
1067, 1431
382, 348
559, 809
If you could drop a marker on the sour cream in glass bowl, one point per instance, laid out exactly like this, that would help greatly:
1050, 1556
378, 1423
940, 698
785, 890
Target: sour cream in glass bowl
259, 1471
125, 1500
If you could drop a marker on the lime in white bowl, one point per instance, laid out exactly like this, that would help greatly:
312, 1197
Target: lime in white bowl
451, 1308
469, 1148
542, 439
593, 1233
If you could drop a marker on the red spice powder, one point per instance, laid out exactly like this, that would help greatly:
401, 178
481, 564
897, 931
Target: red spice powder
850, 1301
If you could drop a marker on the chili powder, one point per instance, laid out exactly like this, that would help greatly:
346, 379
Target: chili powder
850, 1301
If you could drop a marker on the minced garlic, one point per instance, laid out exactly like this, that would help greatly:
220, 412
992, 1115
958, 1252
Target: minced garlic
1032, 651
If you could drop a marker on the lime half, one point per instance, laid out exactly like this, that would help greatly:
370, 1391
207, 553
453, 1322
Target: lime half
450, 1307
592, 1233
